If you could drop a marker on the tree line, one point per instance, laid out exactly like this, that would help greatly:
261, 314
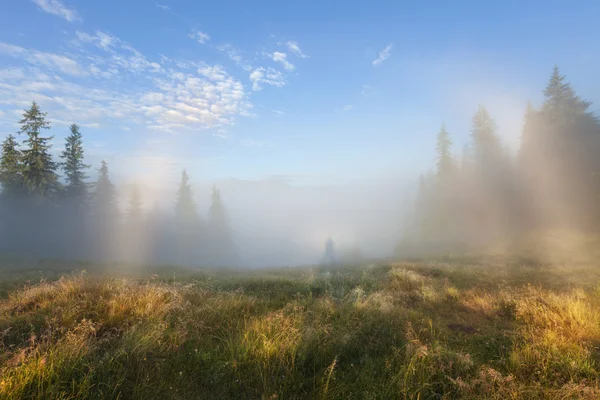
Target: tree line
489, 194
43, 215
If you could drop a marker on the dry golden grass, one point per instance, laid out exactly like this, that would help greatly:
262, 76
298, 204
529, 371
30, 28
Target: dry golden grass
461, 329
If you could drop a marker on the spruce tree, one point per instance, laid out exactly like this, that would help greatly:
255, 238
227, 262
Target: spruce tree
185, 206
568, 145
104, 198
74, 166
486, 146
11, 176
221, 245
105, 216
39, 170
187, 225
445, 163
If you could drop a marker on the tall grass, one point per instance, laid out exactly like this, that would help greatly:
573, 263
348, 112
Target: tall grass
420, 330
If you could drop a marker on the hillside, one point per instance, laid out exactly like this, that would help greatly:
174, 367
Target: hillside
457, 329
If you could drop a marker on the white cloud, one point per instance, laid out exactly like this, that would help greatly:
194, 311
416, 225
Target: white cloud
57, 8
54, 62
267, 76
278, 112
282, 58
294, 48
383, 55
164, 7
199, 36
347, 107
179, 95
214, 73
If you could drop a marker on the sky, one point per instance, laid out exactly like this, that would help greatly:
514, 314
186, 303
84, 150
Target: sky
306, 92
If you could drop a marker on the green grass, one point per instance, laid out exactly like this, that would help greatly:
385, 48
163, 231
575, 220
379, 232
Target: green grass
456, 328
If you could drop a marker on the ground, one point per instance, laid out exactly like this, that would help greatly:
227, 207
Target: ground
492, 327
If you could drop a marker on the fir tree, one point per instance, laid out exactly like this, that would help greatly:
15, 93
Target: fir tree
39, 170
221, 245
445, 163
11, 176
486, 146
104, 194
187, 224
185, 206
74, 167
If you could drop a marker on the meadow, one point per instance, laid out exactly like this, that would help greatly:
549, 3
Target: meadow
464, 327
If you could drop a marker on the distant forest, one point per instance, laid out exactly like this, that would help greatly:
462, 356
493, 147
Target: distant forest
43, 215
484, 195
489, 195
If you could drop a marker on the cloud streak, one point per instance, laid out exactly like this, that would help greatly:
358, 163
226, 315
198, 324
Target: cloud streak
282, 58
107, 82
57, 8
295, 49
268, 76
383, 55
200, 37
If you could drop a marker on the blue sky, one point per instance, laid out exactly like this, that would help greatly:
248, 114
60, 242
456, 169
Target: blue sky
315, 91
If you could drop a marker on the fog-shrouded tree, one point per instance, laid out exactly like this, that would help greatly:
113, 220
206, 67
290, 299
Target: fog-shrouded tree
75, 197
188, 234
74, 167
105, 214
221, 249
134, 230
444, 160
445, 186
329, 256
565, 147
11, 176
39, 169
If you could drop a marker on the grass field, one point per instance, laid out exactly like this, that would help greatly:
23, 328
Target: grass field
491, 328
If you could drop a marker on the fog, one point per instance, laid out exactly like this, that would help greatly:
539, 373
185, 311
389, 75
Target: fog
484, 195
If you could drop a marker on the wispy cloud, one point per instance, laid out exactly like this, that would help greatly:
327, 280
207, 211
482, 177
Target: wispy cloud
235, 55
57, 8
164, 7
347, 107
294, 48
52, 61
278, 112
282, 58
200, 36
383, 55
173, 96
267, 76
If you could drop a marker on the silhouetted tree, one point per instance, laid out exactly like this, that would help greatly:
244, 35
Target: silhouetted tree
74, 167
221, 245
104, 215
187, 224
11, 176
39, 170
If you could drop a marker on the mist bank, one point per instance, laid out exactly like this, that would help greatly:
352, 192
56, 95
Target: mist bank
468, 202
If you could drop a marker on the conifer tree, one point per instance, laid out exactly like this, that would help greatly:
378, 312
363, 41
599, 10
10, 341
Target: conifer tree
39, 170
104, 194
185, 206
11, 176
221, 245
445, 163
486, 146
187, 244
74, 166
